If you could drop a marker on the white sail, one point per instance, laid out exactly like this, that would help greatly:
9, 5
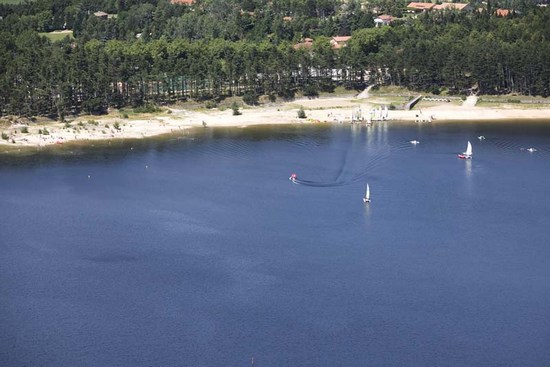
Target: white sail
468, 151
367, 194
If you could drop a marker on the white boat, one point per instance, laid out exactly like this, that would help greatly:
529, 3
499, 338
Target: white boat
468, 153
414, 142
366, 199
481, 137
532, 150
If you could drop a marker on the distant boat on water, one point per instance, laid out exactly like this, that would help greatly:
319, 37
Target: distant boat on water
468, 153
366, 199
481, 137
414, 142
532, 150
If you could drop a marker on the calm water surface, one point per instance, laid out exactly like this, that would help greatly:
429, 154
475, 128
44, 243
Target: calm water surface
196, 250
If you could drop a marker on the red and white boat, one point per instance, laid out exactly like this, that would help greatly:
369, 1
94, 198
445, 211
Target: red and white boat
468, 153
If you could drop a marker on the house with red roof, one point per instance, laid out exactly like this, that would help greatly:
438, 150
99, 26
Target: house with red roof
419, 7
502, 12
383, 19
453, 6
338, 42
306, 43
182, 2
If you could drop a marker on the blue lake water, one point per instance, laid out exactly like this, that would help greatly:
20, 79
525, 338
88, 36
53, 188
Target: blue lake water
196, 250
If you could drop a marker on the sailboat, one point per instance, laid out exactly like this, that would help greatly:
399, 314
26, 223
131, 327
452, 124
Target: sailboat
366, 199
468, 153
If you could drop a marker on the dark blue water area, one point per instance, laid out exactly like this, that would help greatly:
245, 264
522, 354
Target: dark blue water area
196, 250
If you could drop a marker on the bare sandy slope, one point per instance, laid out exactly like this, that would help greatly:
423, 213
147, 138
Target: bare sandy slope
337, 109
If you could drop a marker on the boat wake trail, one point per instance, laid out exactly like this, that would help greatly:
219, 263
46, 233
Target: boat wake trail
317, 183
354, 169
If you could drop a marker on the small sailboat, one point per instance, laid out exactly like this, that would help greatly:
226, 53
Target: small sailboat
414, 142
532, 150
468, 153
481, 137
366, 199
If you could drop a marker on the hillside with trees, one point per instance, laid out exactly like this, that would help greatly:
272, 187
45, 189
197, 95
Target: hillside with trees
135, 53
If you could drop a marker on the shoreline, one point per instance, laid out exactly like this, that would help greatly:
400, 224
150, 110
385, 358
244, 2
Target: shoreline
90, 129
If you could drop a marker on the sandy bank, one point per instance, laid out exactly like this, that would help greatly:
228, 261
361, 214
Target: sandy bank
333, 110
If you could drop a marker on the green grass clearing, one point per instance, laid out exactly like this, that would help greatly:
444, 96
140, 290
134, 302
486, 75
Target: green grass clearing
56, 36
11, 1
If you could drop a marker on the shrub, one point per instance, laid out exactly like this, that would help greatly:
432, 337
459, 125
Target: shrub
25, 130
116, 125
287, 94
311, 91
235, 108
5, 136
147, 108
124, 115
327, 86
210, 104
250, 98
301, 113
93, 122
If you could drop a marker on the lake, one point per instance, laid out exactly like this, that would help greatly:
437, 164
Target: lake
197, 250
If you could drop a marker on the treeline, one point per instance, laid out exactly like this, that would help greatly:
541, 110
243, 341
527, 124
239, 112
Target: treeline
233, 20
436, 51
253, 20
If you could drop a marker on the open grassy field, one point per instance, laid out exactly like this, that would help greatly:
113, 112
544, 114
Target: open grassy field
57, 35
10, 1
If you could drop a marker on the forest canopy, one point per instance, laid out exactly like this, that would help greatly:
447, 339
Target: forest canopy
132, 52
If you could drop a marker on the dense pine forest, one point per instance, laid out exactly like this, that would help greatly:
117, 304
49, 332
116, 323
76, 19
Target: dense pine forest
135, 52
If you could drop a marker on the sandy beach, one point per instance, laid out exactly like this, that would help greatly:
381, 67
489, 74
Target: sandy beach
328, 110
